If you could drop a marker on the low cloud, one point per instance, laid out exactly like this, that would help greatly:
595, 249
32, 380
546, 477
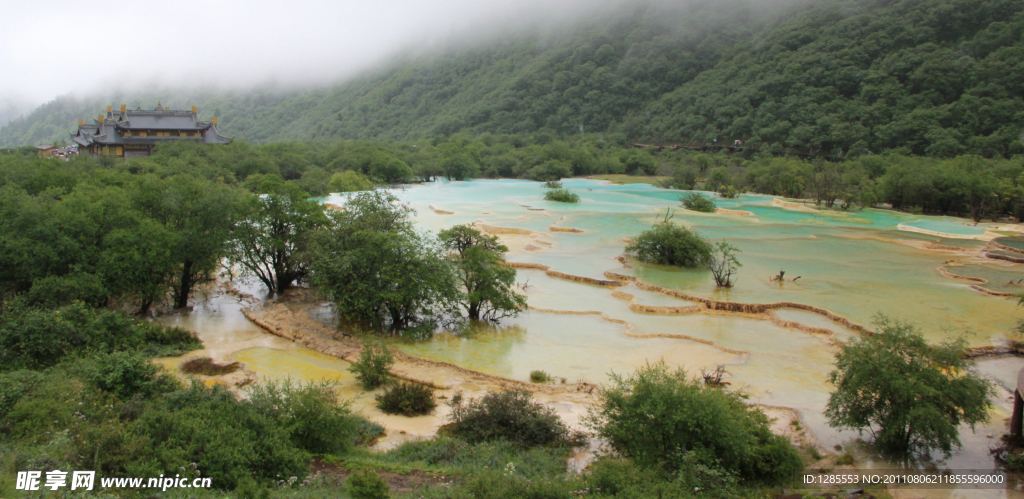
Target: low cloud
56, 47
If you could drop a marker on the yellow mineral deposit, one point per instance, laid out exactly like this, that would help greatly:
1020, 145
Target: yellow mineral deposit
593, 311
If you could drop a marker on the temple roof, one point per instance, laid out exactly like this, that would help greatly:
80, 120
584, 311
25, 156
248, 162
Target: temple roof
161, 120
110, 129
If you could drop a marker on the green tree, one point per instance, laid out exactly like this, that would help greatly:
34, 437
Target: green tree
664, 419
684, 177
973, 183
719, 180
271, 239
723, 264
349, 181
487, 284
315, 181
459, 160
378, 270
669, 244
549, 171
139, 261
199, 214
638, 162
390, 169
911, 396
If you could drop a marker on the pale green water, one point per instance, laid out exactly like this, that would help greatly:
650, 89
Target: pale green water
849, 262
957, 227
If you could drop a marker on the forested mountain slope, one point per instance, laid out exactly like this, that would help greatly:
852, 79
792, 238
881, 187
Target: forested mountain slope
927, 77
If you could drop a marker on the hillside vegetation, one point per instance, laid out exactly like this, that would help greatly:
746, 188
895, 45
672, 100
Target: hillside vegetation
937, 78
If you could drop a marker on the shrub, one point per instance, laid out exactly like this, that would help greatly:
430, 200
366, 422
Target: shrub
669, 244
552, 184
698, 202
663, 419
496, 485
615, 475
374, 364
231, 439
367, 484
15, 385
251, 489
308, 411
44, 408
125, 374
539, 376
507, 415
408, 399
446, 452
37, 338
562, 196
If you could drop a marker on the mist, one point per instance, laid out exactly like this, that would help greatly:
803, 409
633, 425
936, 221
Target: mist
58, 47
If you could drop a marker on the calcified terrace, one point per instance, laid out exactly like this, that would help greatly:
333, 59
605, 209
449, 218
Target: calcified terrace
593, 312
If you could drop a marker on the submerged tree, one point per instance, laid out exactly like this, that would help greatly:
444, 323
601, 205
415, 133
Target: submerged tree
911, 396
378, 270
561, 196
669, 244
723, 264
698, 202
487, 283
271, 239
199, 215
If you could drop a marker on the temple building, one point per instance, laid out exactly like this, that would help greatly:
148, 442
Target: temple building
132, 134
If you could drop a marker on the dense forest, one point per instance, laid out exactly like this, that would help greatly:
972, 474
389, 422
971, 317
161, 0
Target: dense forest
966, 185
836, 78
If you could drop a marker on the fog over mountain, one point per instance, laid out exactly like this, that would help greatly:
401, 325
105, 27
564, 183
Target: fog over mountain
841, 77
58, 47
